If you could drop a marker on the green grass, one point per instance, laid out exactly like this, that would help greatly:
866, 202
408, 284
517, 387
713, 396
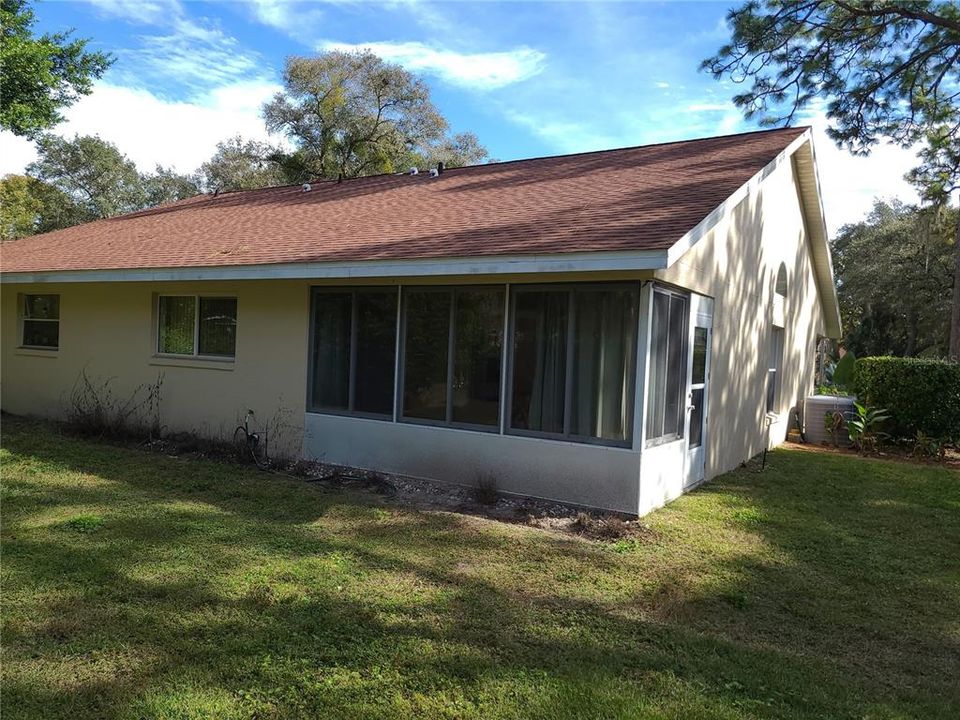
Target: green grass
136, 585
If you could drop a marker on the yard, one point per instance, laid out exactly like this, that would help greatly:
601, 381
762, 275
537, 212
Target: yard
139, 585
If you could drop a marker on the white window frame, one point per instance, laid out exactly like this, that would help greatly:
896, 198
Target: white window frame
667, 438
22, 304
774, 367
195, 355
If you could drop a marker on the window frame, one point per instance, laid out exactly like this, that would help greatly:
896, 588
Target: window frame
352, 291
449, 422
23, 301
195, 355
682, 435
566, 435
774, 368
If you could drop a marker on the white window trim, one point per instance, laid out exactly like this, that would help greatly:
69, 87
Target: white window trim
195, 355
776, 370
680, 435
22, 317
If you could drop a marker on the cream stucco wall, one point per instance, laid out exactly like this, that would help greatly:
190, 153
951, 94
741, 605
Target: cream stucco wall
107, 331
736, 264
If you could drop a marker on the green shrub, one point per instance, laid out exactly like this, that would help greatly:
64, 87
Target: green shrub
843, 372
921, 395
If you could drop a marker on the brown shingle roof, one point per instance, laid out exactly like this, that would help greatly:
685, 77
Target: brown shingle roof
630, 199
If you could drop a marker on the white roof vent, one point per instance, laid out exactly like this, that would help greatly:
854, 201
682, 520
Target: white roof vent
414, 171
307, 187
434, 172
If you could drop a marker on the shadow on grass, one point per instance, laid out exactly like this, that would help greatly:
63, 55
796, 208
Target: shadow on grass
276, 599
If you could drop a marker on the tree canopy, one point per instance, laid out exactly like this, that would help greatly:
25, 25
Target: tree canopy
90, 171
41, 75
101, 181
349, 114
29, 206
886, 69
894, 273
239, 164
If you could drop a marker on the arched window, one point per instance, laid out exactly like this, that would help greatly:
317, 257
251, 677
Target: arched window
781, 287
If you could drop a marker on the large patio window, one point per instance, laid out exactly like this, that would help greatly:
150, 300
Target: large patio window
353, 350
453, 340
573, 361
666, 384
572, 357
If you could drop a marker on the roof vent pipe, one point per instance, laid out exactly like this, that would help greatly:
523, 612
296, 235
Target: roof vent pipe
434, 172
414, 171
307, 187
440, 168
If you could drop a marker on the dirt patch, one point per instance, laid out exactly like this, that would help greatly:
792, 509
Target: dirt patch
422, 494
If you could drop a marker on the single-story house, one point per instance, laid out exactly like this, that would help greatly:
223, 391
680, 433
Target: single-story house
606, 329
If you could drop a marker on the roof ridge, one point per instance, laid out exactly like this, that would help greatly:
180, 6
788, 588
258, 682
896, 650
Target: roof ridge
520, 160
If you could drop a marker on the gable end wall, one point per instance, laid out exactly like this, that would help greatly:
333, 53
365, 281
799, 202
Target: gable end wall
736, 264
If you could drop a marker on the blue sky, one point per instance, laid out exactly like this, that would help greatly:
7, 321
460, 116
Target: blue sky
528, 78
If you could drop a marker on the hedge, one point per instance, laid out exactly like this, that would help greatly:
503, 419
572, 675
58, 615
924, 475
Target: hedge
920, 394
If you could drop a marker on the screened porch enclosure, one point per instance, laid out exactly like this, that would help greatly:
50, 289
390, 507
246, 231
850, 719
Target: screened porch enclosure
556, 390
551, 361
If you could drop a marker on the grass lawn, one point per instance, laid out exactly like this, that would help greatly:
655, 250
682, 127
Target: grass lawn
136, 585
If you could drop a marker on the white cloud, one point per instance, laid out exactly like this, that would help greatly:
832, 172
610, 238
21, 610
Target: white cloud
662, 85
151, 130
194, 56
850, 183
192, 53
144, 12
15, 153
479, 71
296, 19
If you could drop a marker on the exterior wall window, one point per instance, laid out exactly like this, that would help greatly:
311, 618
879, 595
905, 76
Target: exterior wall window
573, 360
452, 350
781, 285
40, 321
773, 369
353, 350
668, 366
776, 339
197, 326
